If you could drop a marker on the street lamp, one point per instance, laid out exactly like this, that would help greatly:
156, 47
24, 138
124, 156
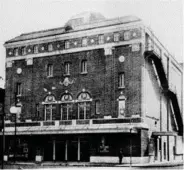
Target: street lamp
14, 111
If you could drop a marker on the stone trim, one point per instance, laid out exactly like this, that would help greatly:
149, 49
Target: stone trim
77, 129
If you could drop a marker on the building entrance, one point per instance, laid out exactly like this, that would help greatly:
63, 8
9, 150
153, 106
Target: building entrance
72, 150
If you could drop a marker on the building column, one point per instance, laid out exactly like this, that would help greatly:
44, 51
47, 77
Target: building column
78, 151
54, 150
66, 150
158, 150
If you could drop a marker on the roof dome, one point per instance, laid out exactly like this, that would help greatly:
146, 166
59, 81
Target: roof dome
84, 18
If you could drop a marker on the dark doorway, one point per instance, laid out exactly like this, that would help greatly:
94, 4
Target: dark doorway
48, 151
60, 151
84, 151
72, 151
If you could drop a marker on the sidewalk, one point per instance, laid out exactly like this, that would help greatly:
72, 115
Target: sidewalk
34, 165
156, 164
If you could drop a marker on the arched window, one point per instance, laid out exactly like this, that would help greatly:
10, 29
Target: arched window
84, 106
50, 108
66, 107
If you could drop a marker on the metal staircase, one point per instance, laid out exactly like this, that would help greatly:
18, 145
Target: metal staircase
151, 54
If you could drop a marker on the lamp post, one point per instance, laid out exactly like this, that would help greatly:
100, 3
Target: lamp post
14, 111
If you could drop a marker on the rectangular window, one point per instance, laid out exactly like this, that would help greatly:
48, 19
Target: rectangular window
84, 66
50, 47
16, 51
35, 49
37, 111
18, 89
121, 80
84, 110
23, 50
67, 44
66, 111
84, 42
101, 39
81, 111
50, 70
116, 37
50, 112
97, 107
67, 68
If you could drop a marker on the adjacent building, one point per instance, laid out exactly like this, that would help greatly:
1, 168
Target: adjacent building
90, 88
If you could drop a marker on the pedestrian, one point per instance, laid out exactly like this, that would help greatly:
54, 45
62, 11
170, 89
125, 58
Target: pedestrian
120, 155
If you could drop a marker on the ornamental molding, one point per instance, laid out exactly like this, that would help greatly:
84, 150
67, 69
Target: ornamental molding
74, 50
67, 82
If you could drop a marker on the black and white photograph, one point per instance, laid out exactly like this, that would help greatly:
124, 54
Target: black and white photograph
91, 84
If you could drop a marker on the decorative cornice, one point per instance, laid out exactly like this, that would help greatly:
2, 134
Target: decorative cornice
74, 50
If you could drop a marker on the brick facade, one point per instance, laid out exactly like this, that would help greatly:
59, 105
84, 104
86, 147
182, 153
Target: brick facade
102, 71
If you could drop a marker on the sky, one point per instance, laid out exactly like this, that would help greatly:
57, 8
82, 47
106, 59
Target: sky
164, 17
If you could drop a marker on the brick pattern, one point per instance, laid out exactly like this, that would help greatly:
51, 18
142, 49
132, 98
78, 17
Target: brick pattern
101, 82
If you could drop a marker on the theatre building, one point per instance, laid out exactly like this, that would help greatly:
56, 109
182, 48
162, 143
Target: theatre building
85, 90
